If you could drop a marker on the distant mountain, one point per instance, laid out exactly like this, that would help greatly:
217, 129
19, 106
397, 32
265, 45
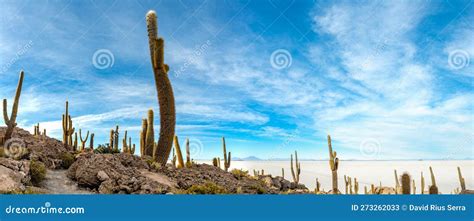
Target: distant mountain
249, 158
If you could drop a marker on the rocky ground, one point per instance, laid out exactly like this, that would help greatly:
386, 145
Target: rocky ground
39, 164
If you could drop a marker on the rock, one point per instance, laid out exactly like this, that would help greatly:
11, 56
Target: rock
285, 185
102, 176
267, 180
14, 174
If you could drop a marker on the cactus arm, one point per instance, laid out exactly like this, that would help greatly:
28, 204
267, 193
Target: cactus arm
150, 134
11, 121
164, 89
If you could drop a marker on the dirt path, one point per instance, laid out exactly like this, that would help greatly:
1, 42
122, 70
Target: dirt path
57, 182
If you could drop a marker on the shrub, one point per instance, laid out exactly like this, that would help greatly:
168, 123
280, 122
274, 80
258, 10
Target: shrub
37, 172
105, 148
67, 160
239, 174
207, 188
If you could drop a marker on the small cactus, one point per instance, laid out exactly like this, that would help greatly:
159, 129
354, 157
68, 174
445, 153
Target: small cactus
11, 121
173, 160
178, 153
74, 147
295, 173
188, 155
406, 179
422, 184
143, 137
91, 143
397, 183
83, 141
227, 158
164, 89
283, 173
150, 135
413, 187
356, 186
433, 188
318, 186
334, 165
214, 162
68, 129
461, 180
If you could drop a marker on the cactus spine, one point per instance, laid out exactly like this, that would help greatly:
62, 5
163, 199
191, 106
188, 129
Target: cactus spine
188, 155
178, 152
227, 158
68, 129
461, 180
164, 89
11, 121
334, 165
83, 141
406, 183
295, 174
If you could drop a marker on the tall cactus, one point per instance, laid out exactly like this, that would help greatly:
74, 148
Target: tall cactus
68, 129
111, 139
318, 186
178, 152
356, 186
227, 158
334, 165
406, 179
461, 180
11, 121
83, 141
295, 173
164, 89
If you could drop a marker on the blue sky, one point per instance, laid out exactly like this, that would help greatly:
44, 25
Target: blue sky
387, 79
